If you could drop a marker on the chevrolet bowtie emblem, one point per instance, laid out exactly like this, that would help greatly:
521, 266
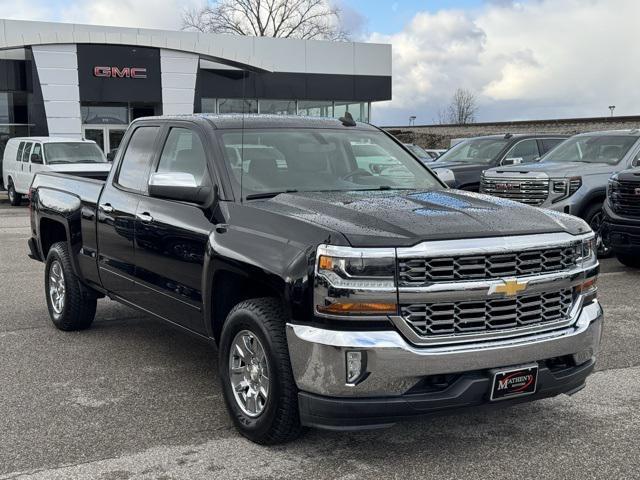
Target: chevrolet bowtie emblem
509, 287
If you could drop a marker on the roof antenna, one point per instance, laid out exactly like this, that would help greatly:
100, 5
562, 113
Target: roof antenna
347, 120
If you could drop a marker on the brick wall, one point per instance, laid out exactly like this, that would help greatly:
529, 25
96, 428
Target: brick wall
439, 136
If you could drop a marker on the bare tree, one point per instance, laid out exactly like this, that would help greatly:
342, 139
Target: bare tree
307, 19
462, 109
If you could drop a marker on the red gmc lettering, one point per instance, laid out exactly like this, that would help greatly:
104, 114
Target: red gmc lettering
118, 72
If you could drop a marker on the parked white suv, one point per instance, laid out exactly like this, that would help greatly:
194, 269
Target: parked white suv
25, 156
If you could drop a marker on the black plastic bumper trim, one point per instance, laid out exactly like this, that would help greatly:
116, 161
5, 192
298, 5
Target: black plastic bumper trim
468, 391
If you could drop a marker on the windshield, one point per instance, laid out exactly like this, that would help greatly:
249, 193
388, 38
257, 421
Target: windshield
73, 152
275, 161
418, 151
609, 149
475, 150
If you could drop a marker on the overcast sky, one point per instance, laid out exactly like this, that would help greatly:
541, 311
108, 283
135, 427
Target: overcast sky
524, 60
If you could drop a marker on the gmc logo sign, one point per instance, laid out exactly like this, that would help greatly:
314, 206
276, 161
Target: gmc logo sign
117, 72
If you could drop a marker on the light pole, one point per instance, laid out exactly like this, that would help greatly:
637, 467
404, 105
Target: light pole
412, 120
612, 108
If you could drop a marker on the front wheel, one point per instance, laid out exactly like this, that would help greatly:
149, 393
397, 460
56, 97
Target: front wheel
594, 216
14, 197
632, 261
71, 306
255, 371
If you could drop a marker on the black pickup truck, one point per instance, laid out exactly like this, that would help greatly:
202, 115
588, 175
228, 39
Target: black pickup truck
338, 297
621, 217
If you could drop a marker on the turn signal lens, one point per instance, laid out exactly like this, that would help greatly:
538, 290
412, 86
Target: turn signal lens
325, 263
587, 286
359, 308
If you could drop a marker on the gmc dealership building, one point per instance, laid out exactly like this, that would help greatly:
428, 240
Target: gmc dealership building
81, 80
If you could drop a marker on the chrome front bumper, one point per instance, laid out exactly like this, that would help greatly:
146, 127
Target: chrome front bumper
395, 365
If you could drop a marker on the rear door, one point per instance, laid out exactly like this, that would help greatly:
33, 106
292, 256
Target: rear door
172, 236
117, 211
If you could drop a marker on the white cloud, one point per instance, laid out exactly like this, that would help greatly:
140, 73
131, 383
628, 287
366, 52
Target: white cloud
164, 14
529, 59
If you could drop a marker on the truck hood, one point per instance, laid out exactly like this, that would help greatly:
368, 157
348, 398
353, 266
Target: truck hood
80, 167
558, 169
460, 166
98, 171
404, 218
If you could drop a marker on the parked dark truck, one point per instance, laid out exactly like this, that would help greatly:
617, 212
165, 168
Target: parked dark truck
338, 297
621, 217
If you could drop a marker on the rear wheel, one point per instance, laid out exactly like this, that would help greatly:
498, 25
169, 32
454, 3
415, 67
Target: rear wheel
632, 261
594, 216
71, 305
14, 197
255, 371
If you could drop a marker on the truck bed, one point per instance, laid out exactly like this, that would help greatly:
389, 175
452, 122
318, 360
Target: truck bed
72, 199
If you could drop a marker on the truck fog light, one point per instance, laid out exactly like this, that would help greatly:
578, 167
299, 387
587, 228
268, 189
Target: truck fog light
583, 356
355, 362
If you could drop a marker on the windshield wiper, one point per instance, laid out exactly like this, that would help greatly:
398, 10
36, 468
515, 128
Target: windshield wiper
383, 187
257, 196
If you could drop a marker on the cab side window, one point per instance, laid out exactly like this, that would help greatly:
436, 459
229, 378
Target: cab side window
20, 150
183, 152
37, 150
26, 152
549, 143
526, 149
137, 159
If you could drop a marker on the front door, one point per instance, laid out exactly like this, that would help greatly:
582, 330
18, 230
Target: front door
117, 211
23, 175
172, 236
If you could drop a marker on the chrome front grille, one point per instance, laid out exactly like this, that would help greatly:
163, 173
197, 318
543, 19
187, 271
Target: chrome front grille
416, 272
529, 191
625, 198
490, 314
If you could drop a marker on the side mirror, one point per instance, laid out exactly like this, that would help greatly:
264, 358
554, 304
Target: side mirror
512, 161
111, 155
178, 186
36, 158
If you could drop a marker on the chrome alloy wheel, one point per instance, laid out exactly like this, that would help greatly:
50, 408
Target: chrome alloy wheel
249, 373
57, 290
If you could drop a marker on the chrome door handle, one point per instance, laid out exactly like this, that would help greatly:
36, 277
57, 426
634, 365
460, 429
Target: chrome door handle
106, 208
145, 217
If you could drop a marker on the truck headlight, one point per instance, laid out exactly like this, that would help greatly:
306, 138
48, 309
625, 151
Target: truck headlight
355, 281
566, 187
589, 251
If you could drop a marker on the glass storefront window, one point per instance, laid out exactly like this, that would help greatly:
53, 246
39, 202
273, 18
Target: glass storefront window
315, 108
102, 114
359, 110
277, 107
237, 105
208, 105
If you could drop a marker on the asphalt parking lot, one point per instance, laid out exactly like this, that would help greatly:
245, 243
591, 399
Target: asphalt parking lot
132, 398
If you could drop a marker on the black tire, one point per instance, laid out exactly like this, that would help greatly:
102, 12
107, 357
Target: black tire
632, 261
78, 308
593, 216
279, 421
15, 198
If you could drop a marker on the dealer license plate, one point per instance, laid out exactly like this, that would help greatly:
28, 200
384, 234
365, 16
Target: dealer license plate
514, 382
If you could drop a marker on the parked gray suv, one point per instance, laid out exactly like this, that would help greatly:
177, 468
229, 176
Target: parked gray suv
571, 178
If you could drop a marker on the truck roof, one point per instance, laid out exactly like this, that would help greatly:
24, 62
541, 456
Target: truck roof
51, 139
228, 121
631, 132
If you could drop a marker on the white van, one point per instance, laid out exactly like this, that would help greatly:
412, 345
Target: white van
25, 156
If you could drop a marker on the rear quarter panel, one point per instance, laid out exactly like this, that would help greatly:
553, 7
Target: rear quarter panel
71, 202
